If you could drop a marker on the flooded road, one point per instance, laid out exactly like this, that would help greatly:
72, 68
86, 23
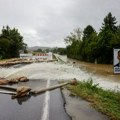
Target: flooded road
101, 74
61, 71
39, 73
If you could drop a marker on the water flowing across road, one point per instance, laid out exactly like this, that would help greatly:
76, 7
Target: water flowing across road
50, 106
58, 71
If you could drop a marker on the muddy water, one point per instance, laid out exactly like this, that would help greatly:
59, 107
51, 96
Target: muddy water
101, 74
102, 70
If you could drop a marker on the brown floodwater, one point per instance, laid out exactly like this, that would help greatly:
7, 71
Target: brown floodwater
102, 70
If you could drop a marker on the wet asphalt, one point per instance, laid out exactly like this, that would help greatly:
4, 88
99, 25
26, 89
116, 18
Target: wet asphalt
32, 107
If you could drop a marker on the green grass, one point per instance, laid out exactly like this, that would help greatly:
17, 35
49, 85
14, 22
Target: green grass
105, 101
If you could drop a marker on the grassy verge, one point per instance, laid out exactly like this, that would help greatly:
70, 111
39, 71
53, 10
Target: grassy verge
105, 101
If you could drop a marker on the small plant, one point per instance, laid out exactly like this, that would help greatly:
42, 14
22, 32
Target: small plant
89, 84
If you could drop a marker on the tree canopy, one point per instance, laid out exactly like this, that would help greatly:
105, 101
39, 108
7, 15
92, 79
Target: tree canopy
11, 42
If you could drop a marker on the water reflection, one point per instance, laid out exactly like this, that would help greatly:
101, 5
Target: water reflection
22, 99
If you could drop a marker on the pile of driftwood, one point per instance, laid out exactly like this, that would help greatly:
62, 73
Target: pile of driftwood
9, 63
4, 81
24, 90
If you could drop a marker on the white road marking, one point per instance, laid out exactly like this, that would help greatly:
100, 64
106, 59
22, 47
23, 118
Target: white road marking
45, 115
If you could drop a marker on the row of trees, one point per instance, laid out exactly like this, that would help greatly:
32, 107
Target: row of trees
96, 47
11, 42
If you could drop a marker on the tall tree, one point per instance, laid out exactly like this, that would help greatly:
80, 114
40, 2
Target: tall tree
88, 32
13, 40
105, 38
109, 23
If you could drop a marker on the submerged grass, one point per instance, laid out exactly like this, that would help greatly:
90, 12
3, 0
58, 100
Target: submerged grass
105, 101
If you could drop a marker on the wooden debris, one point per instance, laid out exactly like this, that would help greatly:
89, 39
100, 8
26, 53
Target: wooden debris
38, 91
74, 82
23, 79
8, 88
14, 62
13, 81
4, 81
22, 91
7, 92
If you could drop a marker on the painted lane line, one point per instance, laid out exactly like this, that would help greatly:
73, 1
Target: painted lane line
45, 115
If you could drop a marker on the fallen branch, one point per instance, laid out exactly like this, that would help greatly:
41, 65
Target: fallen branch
72, 82
49, 88
6, 92
8, 88
24, 90
4, 81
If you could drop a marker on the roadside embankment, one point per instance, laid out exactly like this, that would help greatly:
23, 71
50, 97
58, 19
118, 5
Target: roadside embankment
105, 101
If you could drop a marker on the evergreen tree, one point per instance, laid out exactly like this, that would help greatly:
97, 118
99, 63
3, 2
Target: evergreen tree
105, 38
87, 32
109, 23
86, 50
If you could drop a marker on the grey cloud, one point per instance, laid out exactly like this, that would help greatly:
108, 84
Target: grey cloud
48, 22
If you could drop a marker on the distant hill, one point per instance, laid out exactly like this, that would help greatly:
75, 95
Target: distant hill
38, 47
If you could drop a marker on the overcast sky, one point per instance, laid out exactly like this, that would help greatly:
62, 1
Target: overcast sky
48, 22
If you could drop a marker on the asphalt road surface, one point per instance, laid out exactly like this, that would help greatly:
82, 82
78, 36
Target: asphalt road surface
45, 106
